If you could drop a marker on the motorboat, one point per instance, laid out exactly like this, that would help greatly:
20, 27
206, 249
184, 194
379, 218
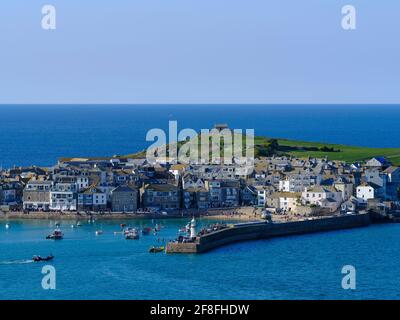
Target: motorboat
79, 224
130, 230
154, 249
39, 258
99, 232
133, 234
56, 235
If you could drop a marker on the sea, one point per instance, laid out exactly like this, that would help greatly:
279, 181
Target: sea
106, 266
40, 134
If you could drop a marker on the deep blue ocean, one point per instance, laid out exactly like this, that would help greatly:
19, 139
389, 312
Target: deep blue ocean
41, 134
110, 267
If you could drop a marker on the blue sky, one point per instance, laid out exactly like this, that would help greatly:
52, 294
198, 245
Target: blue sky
199, 51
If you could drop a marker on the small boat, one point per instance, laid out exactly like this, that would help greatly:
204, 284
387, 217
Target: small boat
57, 224
78, 224
7, 226
56, 235
154, 249
132, 234
129, 230
39, 258
72, 226
146, 231
122, 225
99, 232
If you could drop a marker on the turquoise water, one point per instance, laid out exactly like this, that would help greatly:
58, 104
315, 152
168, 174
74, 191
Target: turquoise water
110, 267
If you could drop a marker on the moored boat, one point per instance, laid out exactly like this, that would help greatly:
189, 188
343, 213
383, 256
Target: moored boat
154, 249
56, 235
132, 234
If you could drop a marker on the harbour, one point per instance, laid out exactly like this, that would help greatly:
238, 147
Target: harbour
306, 266
262, 230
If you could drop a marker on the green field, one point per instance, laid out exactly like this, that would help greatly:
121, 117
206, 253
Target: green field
345, 153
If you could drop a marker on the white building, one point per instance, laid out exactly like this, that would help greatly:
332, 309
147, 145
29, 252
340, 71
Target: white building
261, 196
318, 195
62, 201
288, 201
63, 197
366, 191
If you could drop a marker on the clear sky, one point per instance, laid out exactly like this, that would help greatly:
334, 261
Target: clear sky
199, 51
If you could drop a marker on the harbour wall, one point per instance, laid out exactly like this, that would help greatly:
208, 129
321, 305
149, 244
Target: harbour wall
263, 230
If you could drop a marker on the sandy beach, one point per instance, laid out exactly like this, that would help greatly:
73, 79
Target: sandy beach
241, 213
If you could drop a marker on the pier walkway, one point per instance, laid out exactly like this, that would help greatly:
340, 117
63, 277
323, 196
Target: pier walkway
263, 230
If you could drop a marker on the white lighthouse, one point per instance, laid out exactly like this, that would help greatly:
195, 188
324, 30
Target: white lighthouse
193, 228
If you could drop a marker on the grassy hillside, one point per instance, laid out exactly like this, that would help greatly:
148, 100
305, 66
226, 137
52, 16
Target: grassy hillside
265, 146
340, 152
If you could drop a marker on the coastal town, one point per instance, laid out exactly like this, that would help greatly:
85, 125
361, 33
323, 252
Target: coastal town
283, 186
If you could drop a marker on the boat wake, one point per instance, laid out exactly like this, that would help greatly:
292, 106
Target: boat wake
16, 262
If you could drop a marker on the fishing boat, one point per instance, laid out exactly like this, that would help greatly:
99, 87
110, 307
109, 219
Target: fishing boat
132, 235
154, 249
146, 231
56, 235
39, 258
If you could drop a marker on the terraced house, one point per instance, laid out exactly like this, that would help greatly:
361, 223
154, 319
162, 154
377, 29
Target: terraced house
161, 196
124, 199
36, 195
92, 199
